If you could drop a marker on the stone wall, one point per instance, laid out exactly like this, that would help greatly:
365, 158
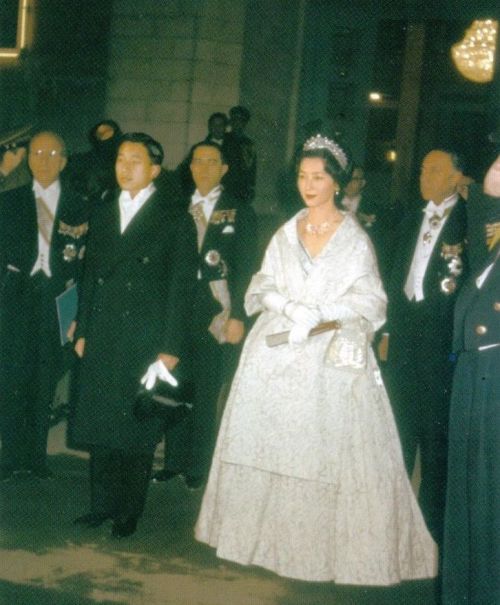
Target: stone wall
173, 63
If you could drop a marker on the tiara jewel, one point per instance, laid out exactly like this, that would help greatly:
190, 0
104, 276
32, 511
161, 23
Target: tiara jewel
319, 142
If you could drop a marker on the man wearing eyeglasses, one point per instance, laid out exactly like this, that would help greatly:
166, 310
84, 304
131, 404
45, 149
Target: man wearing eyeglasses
42, 234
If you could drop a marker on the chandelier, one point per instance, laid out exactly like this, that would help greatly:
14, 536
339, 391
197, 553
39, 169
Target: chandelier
474, 56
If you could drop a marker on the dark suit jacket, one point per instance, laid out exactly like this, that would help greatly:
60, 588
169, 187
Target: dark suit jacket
136, 302
18, 254
437, 308
232, 232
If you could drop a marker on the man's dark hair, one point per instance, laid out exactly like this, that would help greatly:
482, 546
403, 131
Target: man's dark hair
154, 149
216, 115
207, 144
240, 111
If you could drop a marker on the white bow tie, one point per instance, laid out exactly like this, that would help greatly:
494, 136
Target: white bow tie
213, 196
433, 210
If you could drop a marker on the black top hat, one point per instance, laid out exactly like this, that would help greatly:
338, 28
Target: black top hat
169, 404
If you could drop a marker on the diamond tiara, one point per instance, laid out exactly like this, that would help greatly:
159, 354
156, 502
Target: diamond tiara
319, 142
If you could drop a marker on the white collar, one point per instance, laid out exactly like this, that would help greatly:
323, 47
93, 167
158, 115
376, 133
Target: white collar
126, 200
211, 197
433, 209
52, 191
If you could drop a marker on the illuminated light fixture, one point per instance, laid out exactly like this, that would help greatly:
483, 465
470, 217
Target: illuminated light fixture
474, 56
391, 155
22, 22
375, 97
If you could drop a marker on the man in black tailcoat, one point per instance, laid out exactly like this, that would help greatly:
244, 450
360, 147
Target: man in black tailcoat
427, 273
132, 319
42, 235
471, 560
227, 245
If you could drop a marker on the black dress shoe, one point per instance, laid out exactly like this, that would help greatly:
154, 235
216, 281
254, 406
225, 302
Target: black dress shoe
122, 529
194, 482
163, 475
92, 519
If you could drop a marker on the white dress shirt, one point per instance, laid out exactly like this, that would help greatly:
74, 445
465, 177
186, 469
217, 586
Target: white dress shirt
51, 198
208, 200
130, 206
435, 216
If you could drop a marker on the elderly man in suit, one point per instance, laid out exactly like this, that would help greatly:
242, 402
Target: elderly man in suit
132, 322
427, 273
227, 254
42, 234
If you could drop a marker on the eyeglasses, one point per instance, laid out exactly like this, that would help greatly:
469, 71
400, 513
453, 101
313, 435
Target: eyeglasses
40, 153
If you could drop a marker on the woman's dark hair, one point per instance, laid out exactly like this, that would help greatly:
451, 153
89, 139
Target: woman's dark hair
333, 167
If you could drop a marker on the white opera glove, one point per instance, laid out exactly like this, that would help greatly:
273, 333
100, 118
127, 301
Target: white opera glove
298, 334
157, 370
274, 301
301, 314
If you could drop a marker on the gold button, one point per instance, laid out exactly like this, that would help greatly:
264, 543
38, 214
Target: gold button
480, 330
496, 306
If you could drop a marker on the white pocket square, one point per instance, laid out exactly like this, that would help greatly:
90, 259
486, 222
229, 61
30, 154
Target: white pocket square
13, 269
228, 229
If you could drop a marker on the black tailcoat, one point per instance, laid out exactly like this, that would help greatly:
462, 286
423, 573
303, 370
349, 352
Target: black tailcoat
419, 368
31, 355
136, 302
232, 232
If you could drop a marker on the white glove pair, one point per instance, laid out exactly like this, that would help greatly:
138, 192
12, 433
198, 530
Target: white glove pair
303, 317
157, 370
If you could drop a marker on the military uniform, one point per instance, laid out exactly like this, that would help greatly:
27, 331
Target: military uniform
471, 561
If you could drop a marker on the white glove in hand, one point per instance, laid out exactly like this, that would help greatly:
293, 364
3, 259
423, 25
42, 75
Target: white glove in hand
157, 370
298, 334
300, 314
274, 301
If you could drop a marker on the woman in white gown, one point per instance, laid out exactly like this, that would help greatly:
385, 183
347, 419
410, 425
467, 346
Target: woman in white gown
307, 478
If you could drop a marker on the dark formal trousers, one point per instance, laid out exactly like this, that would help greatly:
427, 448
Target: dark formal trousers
418, 379
119, 481
189, 445
28, 383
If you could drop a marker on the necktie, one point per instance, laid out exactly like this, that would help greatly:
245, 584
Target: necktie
45, 220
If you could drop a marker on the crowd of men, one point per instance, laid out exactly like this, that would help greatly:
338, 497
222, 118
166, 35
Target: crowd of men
160, 276
160, 270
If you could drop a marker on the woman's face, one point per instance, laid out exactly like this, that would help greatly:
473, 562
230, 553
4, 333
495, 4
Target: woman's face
316, 186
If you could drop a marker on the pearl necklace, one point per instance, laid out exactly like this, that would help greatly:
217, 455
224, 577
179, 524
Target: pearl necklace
320, 229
